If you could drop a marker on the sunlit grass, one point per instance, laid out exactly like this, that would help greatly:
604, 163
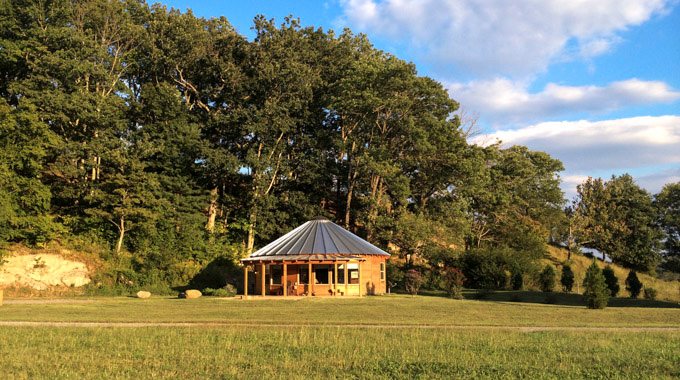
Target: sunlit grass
497, 309
330, 352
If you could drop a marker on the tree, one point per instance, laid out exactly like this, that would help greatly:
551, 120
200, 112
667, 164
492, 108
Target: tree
547, 278
668, 205
618, 218
519, 202
611, 280
567, 279
595, 292
633, 284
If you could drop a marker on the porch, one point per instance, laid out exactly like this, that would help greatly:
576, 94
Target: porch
303, 276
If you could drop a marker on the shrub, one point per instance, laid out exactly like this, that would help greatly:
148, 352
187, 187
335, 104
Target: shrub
596, 292
453, 281
484, 270
547, 278
633, 284
650, 294
413, 281
230, 290
517, 280
611, 280
227, 291
567, 279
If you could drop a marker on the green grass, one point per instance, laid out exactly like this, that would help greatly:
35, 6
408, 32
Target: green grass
394, 309
322, 350
327, 352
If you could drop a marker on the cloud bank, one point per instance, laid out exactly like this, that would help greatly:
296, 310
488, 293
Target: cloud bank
601, 145
507, 102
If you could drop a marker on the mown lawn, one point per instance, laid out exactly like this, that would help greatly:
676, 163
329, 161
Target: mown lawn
496, 310
365, 350
332, 352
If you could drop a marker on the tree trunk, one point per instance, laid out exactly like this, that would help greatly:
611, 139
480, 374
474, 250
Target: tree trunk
570, 242
348, 207
250, 243
212, 211
121, 235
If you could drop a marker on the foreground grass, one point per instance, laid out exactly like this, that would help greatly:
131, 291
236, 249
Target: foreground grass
394, 309
329, 352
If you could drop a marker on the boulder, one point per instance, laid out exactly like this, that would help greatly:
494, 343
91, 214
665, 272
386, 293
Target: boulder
143, 294
192, 293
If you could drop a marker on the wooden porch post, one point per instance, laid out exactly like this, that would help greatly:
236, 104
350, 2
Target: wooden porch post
245, 280
346, 279
335, 278
284, 280
310, 286
263, 276
360, 284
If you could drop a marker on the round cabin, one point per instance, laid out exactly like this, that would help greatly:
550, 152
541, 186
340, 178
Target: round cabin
319, 258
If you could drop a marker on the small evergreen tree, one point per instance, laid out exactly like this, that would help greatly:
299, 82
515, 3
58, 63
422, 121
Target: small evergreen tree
547, 278
567, 279
517, 280
611, 280
596, 292
633, 284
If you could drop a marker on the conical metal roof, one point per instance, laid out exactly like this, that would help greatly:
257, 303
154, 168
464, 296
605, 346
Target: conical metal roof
318, 236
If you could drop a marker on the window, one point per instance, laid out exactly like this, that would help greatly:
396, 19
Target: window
275, 274
341, 274
382, 271
353, 273
304, 274
321, 274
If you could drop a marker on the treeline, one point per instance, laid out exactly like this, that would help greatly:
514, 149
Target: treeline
173, 141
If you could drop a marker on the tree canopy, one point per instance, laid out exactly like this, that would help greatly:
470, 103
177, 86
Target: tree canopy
174, 141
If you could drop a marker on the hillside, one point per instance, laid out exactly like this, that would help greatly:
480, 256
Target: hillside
667, 290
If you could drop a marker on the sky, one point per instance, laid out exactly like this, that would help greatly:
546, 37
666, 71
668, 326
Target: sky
594, 83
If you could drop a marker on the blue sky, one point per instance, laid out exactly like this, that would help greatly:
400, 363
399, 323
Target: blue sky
595, 83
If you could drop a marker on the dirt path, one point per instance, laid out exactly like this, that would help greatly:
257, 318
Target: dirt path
356, 326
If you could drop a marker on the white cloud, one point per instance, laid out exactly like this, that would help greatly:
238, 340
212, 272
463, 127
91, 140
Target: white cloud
504, 101
510, 38
648, 147
585, 146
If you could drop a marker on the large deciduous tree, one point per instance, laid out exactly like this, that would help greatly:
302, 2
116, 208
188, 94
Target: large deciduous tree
668, 205
617, 218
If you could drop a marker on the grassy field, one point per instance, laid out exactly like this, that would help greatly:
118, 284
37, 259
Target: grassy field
306, 338
495, 310
482, 345
326, 352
